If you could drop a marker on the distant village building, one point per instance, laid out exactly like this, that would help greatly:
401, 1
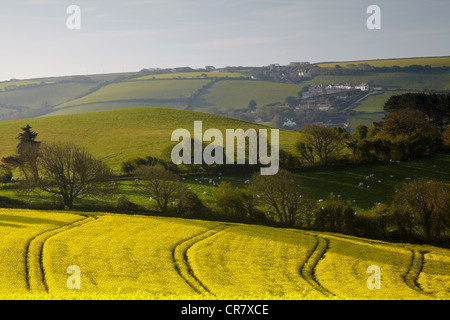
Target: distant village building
307, 94
313, 91
289, 123
324, 107
304, 74
181, 69
362, 87
273, 66
330, 89
333, 88
302, 107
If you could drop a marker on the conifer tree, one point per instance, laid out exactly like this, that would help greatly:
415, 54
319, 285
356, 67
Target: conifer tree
25, 138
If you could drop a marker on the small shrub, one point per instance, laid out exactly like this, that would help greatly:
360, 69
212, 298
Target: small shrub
124, 204
335, 215
5, 175
229, 201
190, 205
6, 202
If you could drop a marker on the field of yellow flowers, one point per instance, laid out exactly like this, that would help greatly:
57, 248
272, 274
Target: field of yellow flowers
143, 257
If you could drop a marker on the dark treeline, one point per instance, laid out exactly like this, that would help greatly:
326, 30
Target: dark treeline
435, 107
290, 73
357, 68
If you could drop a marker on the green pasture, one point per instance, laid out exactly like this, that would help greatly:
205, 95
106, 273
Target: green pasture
44, 96
431, 61
236, 94
193, 75
140, 90
118, 135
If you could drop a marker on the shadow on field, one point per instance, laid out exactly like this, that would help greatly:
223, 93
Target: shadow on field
28, 220
2, 224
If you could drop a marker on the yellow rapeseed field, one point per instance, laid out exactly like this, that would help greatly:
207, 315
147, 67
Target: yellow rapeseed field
144, 257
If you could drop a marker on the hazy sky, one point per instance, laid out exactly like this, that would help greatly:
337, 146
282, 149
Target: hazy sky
120, 35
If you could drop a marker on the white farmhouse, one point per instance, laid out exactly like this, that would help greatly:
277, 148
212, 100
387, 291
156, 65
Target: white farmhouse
289, 123
362, 87
304, 74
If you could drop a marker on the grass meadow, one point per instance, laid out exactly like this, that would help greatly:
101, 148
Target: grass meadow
236, 94
140, 90
13, 85
374, 103
106, 106
44, 96
431, 61
193, 75
370, 110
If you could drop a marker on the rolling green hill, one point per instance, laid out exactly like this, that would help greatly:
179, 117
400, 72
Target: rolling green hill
193, 75
140, 91
118, 135
215, 92
238, 93
29, 101
175, 93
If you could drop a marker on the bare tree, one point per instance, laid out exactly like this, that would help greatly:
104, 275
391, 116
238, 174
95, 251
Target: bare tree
423, 205
326, 142
69, 171
160, 184
285, 193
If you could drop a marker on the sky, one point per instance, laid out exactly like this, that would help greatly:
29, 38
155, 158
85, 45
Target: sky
129, 35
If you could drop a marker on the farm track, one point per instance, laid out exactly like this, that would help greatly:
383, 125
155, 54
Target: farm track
307, 270
34, 258
414, 271
181, 261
